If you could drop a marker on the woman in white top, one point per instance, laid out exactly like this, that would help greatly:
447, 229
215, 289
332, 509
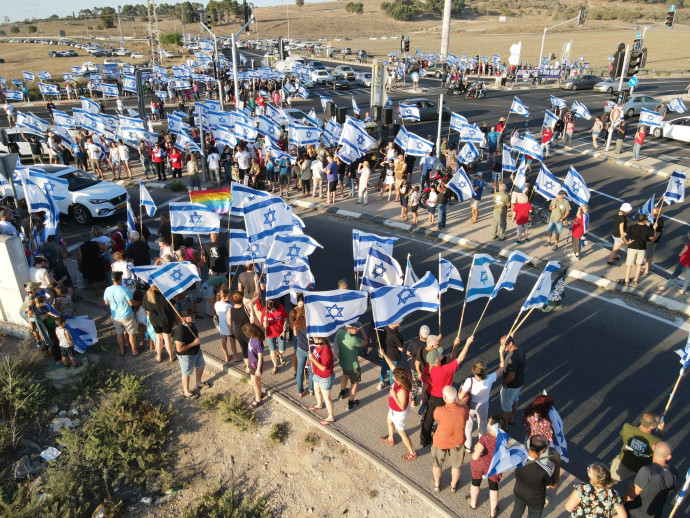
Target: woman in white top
479, 388
364, 174
121, 264
124, 159
114, 157
318, 176
222, 308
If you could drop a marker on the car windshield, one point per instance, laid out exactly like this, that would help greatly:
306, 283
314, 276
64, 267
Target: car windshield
79, 180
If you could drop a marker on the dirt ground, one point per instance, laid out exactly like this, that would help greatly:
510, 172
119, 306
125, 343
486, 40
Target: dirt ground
298, 479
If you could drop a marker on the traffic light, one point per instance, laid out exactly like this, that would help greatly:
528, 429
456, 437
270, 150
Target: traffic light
636, 60
618, 61
407, 44
670, 19
402, 43
581, 17
246, 12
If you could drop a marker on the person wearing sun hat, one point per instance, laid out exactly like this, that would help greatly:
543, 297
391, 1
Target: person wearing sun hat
620, 231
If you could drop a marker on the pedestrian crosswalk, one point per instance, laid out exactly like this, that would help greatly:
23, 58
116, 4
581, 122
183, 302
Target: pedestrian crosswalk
403, 89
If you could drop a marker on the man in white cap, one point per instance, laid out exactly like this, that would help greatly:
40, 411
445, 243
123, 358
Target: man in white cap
413, 347
620, 231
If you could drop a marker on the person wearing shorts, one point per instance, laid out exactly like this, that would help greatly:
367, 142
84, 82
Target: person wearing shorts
513, 378
274, 319
560, 208
449, 439
321, 358
640, 235
349, 340
119, 300
188, 348
478, 188
399, 402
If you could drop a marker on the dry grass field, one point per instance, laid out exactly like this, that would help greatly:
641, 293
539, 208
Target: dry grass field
669, 50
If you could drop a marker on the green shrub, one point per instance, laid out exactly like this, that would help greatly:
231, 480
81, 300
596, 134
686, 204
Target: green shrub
227, 503
171, 38
234, 410
279, 432
312, 439
177, 187
402, 10
354, 7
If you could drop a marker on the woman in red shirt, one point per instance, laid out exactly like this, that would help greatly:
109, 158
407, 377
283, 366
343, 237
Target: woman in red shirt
399, 407
158, 157
481, 461
175, 158
521, 212
321, 358
682, 266
578, 229
639, 140
275, 321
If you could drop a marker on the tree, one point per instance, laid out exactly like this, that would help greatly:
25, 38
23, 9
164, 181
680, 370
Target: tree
299, 4
402, 10
436, 6
32, 29
2, 33
14, 29
171, 38
108, 16
85, 13
354, 7
7, 19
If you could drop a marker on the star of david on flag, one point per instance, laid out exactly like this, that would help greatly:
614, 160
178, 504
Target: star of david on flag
174, 278
518, 108
550, 119
461, 185
146, 201
449, 276
508, 165
481, 281
303, 134
402, 137
557, 102
362, 242
575, 187
650, 118
354, 132
580, 110
559, 442
242, 252
391, 304
380, 270
510, 272
289, 247
471, 133
675, 191
282, 278
193, 218
529, 146
547, 184
408, 112
265, 217
457, 121
131, 222
348, 152
468, 153
542, 288
417, 146
48, 89
676, 105
506, 458
328, 311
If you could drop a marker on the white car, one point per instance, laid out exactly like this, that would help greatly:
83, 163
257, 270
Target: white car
137, 55
84, 196
676, 129
122, 51
166, 53
321, 76
611, 85
11, 141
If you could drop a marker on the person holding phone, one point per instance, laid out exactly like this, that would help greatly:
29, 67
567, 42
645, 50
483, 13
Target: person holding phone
321, 358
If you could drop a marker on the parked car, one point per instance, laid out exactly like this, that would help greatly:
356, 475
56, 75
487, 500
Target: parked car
316, 65
345, 70
122, 51
435, 69
583, 82
363, 78
428, 110
166, 53
101, 53
611, 85
137, 55
321, 76
300, 116
346, 51
676, 129
635, 105
11, 141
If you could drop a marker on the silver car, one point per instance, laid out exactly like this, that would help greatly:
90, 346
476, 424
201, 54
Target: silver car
635, 105
611, 85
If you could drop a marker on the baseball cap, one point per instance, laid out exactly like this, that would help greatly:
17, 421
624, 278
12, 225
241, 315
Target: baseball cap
39, 258
424, 332
479, 173
31, 286
354, 325
433, 356
561, 192
626, 207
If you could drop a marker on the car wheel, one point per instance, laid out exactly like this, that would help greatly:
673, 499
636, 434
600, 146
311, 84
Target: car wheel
81, 214
574, 87
657, 132
630, 112
438, 75
609, 91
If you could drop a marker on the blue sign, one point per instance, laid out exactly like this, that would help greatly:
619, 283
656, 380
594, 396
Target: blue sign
672, 8
633, 82
639, 35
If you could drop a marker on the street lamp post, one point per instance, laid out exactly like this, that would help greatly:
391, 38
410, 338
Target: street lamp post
234, 55
543, 38
216, 65
119, 22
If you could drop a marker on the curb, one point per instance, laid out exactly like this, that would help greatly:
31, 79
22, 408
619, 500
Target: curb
436, 505
619, 161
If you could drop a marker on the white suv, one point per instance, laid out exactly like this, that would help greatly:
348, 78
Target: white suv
321, 76
122, 51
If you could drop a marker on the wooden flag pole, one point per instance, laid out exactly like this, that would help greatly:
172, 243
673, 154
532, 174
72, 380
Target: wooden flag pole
661, 209
232, 279
439, 294
512, 328
521, 322
482, 315
469, 283
670, 400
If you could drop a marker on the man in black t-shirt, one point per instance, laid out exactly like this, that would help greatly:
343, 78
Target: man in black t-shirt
188, 348
393, 346
647, 495
215, 256
513, 379
657, 224
532, 479
638, 237
412, 350
138, 249
164, 231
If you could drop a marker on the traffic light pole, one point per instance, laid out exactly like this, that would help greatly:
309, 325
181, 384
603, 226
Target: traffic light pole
620, 89
543, 38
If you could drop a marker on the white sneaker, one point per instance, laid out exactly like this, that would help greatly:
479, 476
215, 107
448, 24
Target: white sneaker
380, 385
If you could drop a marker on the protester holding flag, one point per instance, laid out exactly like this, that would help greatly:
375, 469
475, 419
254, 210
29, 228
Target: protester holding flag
513, 378
683, 266
161, 315
638, 445
521, 212
579, 229
480, 462
65, 342
532, 479
656, 222
647, 495
274, 319
560, 209
596, 498
188, 348
639, 140
640, 235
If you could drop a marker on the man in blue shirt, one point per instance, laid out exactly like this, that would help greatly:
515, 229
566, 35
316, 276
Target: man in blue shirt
119, 300
478, 188
492, 137
332, 178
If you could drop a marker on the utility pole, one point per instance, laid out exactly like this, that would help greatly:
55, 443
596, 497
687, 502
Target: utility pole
216, 65
119, 22
445, 31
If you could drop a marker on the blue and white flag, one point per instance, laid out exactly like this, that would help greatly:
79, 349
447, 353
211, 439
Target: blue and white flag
225, 136
328, 311
129, 84
519, 108
266, 217
676, 105
647, 209
14, 95
325, 100
461, 185
457, 121
61, 118
83, 331
45, 182
28, 76
681, 494
64, 134
44, 76
186, 143
355, 108
354, 132
408, 112
67, 76
283, 278
242, 252
468, 153
146, 201
684, 356
174, 278
131, 122
481, 280
242, 194
542, 288
576, 188
508, 164
449, 276
675, 191
348, 153
380, 270
312, 118
580, 110
510, 272
550, 119
48, 89
302, 92
529, 146
471, 133
289, 248
547, 184
193, 218
402, 137
506, 458
303, 134
390, 304
89, 105
176, 125
131, 221
417, 146
520, 177
650, 118
362, 243
109, 90
559, 442
246, 132
31, 122
410, 277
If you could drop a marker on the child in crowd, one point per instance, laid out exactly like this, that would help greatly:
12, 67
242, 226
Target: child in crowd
256, 359
431, 204
140, 315
63, 301
415, 196
66, 343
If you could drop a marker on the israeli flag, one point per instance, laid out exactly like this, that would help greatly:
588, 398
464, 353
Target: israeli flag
529, 146
66, 76
129, 84
650, 118
449, 276
312, 118
520, 177
193, 218
241, 195
328, 311
245, 132
542, 288
481, 280
14, 95
647, 208
559, 442
684, 361
550, 119
380, 270
109, 90
17, 83
402, 137
242, 252
348, 152
354, 132
408, 112
90, 106
131, 221
289, 88
410, 277
186, 143
63, 119
362, 242
83, 331
47, 183
325, 100
519, 108
131, 122
468, 153
28, 76
331, 133
44, 76
133, 113
471, 133
417, 146
547, 184
576, 188
506, 458
161, 94
64, 134
508, 164
390, 304
676, 106
176, 125
265, 217
457, 121
146, 201
302, 92
675, 191
580, 110
460, 184
282, 278
355, 108
303, 134
174, 278
224, 136
289, 247
684, 490
510, 272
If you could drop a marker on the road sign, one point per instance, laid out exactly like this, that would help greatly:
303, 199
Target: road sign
672, 8
633, 82
616, 113
637, 45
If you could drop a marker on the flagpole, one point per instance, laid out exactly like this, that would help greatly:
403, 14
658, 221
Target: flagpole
464, 304
510, 333
482, 315
439, 294
513, 331
141, 218
175, 310
670, 400
661, 209
680, 496
233, 276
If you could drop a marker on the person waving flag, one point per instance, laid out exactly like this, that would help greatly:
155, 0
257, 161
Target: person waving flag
518, 108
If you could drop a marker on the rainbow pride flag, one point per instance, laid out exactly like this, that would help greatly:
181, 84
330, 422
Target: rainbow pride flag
218, 200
